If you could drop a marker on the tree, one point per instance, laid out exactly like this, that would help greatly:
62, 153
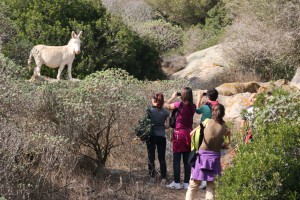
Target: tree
184, 12
96, 113
107, 41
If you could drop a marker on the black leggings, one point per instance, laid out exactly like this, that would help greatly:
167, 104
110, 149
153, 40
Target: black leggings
160, 143
176, 166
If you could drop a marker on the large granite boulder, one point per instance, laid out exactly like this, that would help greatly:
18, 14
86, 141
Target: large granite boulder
234, 105
228, 89
204, 68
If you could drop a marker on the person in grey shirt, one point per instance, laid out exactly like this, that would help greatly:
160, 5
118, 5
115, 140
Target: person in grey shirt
160, 118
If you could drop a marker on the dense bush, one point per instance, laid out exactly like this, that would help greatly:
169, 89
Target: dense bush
265, 37
107, 42
7, 29
54, 136
131, 11
268, 168
183, 12
163, 34
212, 32
32, 154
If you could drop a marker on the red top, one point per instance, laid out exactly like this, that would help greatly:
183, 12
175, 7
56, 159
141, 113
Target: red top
184, 124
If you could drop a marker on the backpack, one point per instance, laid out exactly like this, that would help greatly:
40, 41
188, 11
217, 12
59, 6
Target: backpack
145, 128
194, 153
174, 115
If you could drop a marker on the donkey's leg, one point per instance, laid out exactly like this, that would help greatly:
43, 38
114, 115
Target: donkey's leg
62, 66
34, 75
70, 71
37, 71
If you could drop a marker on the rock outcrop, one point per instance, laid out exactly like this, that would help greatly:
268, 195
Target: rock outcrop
228, 89
204, 68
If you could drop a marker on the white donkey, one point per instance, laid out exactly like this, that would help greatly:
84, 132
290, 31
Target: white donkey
55, 56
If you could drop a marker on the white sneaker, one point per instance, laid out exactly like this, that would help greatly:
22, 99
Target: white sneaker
173, 185
185, 186
203, 185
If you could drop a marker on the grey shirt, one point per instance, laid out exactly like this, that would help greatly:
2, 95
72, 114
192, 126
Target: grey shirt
158, 117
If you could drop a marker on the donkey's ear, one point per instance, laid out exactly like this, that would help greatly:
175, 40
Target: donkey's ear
80, 33
73, 34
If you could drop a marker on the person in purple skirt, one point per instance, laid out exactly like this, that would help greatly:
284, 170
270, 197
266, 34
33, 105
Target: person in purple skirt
208, 163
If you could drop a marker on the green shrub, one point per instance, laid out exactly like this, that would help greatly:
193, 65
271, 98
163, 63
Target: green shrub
163, 34
54, 136
200, 37
267, 168
106, 43
7, 28
9, 70
183, 12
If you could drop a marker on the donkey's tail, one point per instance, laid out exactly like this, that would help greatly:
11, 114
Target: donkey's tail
29, 61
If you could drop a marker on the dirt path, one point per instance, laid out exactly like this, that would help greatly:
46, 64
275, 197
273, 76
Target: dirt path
163, 193
180, 194
159, 192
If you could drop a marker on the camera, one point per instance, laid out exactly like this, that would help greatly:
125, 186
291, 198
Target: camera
178, 94
204, 93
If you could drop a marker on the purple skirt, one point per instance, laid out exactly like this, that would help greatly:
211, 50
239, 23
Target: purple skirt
207, 166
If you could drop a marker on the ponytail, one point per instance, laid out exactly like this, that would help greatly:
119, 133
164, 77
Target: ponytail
159, 100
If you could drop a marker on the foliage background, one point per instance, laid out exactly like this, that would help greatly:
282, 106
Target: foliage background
58, 140
107, 41
268, 167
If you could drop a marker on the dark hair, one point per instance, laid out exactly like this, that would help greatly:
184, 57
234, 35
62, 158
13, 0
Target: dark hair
212, 94
187, 95
218, 117
159, 100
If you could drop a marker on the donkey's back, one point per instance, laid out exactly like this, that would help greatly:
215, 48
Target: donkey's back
51, 56
55, 56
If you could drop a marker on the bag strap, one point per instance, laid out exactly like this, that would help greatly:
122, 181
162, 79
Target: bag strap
148, 110
200, 134
179, 108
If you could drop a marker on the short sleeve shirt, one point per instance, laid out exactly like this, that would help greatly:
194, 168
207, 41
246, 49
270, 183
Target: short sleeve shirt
158, 117
205, 111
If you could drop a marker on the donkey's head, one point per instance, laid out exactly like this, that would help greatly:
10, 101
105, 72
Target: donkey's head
74, 43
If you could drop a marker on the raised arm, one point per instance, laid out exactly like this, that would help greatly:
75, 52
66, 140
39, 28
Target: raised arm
200, 96
169, 104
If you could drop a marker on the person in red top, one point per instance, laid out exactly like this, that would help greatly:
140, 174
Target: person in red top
181, 139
